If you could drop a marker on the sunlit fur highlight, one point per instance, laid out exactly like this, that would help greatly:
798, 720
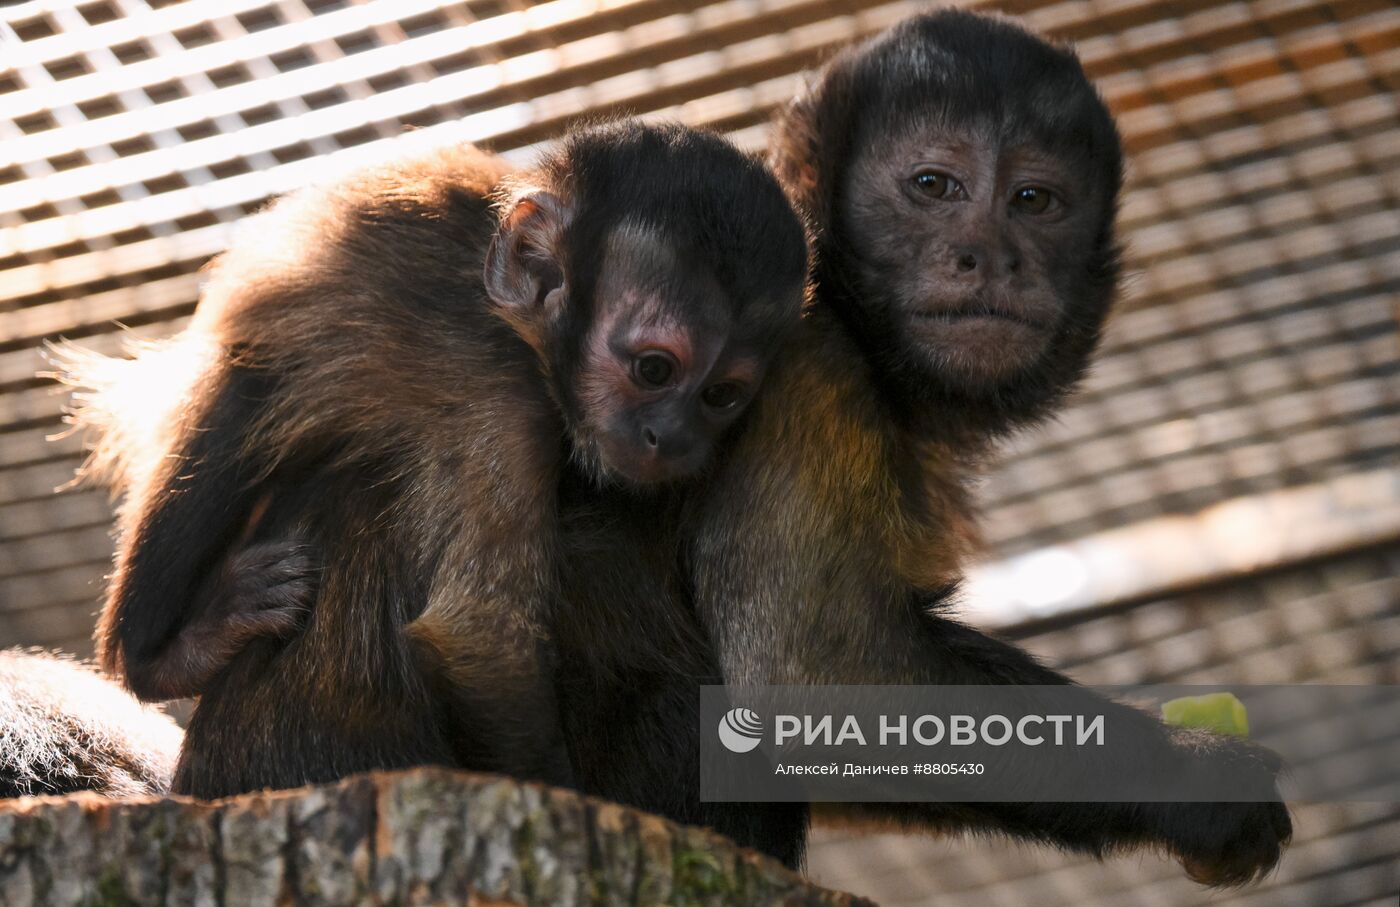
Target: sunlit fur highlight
66, 728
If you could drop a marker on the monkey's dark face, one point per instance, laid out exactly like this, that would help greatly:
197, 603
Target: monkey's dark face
666, 369
962, 176
972, 246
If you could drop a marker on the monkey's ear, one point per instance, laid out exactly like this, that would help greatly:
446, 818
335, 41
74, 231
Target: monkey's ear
525, 262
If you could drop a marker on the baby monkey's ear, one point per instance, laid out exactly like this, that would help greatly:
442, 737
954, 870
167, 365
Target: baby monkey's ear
525, 263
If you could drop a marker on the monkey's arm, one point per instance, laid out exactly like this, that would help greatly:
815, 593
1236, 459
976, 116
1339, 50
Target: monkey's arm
264, 589
161, 610
1218, 843
793, 579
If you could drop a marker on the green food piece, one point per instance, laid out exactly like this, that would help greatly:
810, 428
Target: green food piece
1219, 712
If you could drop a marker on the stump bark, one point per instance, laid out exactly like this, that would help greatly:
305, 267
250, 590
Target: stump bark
426, 836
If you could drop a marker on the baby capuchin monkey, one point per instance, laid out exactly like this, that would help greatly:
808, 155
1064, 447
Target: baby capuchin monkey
398, 369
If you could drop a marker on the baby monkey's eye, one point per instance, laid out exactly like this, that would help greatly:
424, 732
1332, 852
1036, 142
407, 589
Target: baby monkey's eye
653, 369
1033, 199
936, 185
724, 395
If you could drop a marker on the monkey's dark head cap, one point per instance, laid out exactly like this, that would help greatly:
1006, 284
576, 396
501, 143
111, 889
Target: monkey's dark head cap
721, 208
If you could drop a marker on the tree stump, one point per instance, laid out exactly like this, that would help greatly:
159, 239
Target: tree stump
426, 836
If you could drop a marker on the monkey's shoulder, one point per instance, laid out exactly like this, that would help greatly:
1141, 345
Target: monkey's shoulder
445, 194
820, 407
408, 231
812, 467
385, 266
365, 300
446, 186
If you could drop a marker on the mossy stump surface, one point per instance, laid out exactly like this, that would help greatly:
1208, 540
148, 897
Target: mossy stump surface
426, 836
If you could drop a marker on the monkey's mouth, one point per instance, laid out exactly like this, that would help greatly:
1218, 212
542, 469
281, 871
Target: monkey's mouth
1027, 311
974, 313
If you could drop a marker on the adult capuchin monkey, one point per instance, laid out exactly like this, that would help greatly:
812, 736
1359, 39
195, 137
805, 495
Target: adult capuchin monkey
398, 379
961, 176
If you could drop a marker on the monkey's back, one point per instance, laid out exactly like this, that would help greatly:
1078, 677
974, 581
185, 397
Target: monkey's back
403, 427
364, 299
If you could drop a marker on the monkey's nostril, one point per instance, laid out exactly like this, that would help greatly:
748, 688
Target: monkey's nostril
967, 262
649, 436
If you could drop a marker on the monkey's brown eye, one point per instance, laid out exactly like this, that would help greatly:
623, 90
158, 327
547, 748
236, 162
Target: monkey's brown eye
1032, 199
653, 369
724, 395
935, 184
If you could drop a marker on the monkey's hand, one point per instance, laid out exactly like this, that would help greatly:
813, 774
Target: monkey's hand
264, 590
1232, 843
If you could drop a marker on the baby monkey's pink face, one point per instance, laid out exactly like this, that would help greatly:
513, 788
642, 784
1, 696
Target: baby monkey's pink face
975, 244
669, 363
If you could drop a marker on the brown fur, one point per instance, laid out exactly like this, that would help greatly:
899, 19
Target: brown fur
821, 433
822, 548
826, 545
387, 374
360, 365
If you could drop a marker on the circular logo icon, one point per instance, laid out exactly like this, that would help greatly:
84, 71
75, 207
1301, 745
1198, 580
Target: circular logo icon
740, 730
